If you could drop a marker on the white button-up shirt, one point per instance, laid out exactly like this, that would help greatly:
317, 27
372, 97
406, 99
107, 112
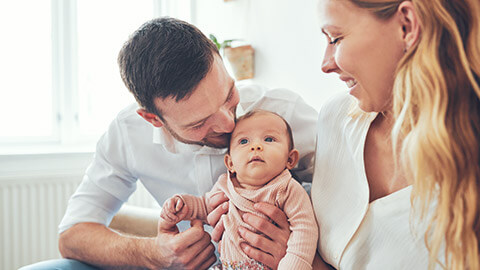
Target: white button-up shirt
354, 233
127, 153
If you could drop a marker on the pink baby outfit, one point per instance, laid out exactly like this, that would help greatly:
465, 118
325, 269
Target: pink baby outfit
283, 192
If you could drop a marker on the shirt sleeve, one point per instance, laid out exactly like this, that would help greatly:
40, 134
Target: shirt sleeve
301, 117
107, 183
301, 245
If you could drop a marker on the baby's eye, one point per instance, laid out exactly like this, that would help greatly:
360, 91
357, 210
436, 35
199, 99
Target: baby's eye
243, 141
269, 139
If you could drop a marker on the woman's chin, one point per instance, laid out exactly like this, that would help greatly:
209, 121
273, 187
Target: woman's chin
365, 106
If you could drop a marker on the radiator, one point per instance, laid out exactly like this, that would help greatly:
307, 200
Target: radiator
31, 209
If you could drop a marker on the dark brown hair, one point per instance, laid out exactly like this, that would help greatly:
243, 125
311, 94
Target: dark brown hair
165, 57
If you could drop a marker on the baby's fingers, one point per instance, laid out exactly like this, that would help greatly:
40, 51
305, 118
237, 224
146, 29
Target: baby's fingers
178, 205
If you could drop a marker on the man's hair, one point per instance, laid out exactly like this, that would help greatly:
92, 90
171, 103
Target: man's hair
255, 112
165, 58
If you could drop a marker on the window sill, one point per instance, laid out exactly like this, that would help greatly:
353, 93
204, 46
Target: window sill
46, 148
33, 160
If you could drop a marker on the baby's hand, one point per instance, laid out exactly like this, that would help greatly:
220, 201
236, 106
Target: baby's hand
173, 210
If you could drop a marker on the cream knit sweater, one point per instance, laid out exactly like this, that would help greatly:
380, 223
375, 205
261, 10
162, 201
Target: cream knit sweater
283, 192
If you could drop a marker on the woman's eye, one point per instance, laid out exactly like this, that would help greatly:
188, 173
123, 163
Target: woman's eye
243, 141
335, 41
269, 139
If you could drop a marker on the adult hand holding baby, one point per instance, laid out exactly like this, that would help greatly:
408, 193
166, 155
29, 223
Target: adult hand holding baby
191, 249
270, 246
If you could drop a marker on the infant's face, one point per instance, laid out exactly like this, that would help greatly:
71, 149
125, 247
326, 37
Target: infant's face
259, 149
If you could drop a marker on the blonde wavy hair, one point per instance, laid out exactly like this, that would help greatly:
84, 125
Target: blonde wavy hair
436, 103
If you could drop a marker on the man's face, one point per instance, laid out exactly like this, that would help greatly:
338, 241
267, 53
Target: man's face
208, 115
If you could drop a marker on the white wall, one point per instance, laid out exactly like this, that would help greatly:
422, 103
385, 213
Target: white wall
287, 39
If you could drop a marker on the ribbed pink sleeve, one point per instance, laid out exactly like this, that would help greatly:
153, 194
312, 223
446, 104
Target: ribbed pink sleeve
197, 206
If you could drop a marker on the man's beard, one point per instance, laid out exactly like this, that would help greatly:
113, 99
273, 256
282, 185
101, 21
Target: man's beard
214, 140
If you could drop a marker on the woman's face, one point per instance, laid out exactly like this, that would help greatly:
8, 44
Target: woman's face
363, 50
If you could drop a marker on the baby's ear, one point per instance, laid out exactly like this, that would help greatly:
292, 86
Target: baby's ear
292, 159
229, 163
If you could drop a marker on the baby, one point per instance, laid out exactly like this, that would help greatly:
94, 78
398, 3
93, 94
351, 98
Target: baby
261, 152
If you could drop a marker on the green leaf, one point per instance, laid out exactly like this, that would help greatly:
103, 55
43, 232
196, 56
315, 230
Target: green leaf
215, 41
225, 44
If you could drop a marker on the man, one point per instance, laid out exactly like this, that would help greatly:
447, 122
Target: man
189, 103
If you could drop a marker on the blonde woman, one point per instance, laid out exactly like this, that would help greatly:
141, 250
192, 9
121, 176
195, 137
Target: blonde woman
397, 173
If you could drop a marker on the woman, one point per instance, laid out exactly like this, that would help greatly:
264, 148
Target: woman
397, 173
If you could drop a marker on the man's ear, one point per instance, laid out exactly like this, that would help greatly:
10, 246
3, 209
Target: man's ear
150, 117
410, 23
292, 159
229, 163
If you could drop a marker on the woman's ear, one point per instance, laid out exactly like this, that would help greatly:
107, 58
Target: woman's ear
410, 23
229, 163
292, 159
150, 117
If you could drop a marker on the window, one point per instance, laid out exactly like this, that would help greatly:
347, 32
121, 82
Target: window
100, 38
26, 104
60, 83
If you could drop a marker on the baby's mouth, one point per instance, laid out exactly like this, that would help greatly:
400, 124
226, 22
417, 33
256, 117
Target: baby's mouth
256, 159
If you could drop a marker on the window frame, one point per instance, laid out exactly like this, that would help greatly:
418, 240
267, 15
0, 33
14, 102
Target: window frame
65, 86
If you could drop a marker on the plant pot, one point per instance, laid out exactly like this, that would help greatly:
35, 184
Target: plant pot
241, 60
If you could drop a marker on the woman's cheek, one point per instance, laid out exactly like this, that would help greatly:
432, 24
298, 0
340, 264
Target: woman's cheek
344, 59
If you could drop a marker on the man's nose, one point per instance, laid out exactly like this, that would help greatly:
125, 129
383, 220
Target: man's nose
257, 147
225, 121
328, 64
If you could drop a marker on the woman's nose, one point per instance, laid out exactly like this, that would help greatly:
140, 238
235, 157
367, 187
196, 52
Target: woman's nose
328, 64
257, 147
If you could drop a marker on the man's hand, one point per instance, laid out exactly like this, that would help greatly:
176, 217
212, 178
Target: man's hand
191, 249
217, 206
271, 249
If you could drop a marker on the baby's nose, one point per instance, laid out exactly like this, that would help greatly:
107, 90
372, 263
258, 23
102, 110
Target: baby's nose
257, 147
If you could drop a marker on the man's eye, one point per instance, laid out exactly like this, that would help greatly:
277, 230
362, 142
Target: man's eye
199, 126
269, 139
243, 141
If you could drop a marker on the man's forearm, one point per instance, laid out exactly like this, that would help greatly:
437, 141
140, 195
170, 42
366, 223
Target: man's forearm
97, 245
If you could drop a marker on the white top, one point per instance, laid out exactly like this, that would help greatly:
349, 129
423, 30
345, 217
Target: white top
353, 233
133, 149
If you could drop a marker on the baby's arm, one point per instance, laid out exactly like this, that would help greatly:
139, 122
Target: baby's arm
302, 244
174, 210
188, 207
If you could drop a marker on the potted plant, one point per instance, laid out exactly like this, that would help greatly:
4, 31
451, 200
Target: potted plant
240, 58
